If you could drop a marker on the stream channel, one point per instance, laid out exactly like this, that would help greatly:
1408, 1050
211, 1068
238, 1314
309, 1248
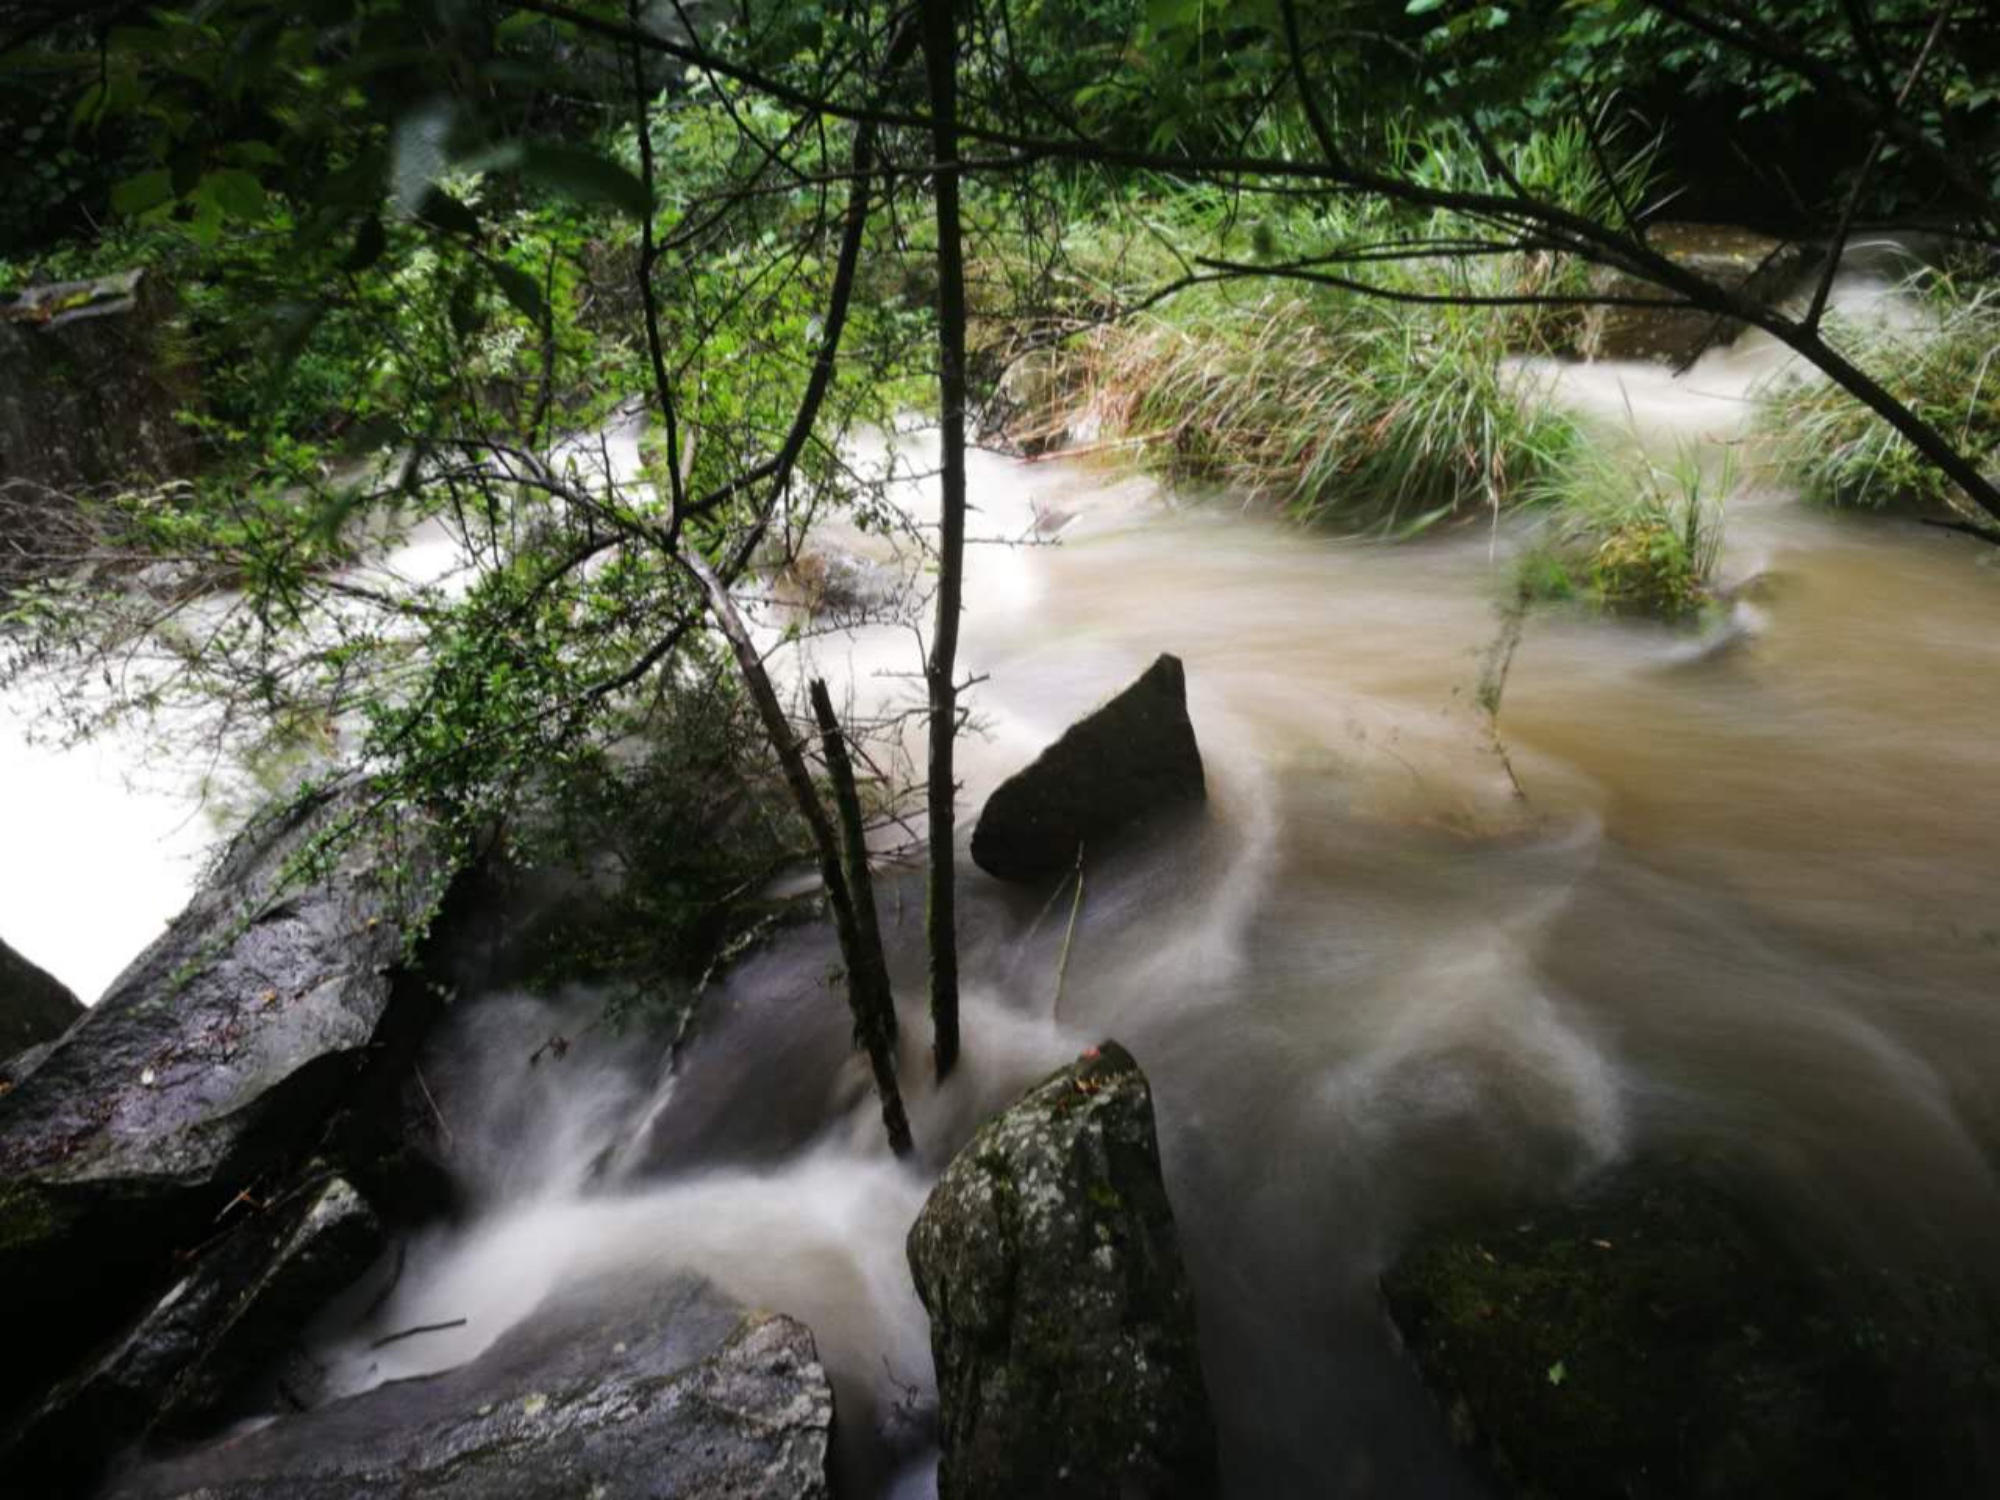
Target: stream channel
1743, 897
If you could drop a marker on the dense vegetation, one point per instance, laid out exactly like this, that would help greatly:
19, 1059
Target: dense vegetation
423, 253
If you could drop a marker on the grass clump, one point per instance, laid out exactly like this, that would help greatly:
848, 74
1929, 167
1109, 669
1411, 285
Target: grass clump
1631, 537
1943, 365
1361, 399
1347, 410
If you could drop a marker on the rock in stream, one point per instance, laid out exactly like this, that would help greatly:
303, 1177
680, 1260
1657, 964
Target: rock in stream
684, 1397
210, 1064
35, 1007
1062, 1321
1133, 757
241, 1304
1658, 1337
1759, 268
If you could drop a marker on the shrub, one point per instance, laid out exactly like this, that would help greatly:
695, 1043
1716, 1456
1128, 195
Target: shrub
1632, 536
1942, 365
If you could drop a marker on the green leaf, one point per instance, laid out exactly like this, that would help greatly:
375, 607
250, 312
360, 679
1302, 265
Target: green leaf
583, 175
254, 153
1557, 1374
88, 106
1421, 7
235, 192
522, 290
137, 194
1172, 15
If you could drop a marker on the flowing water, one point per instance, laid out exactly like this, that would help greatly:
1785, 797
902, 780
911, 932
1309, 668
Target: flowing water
1742, 896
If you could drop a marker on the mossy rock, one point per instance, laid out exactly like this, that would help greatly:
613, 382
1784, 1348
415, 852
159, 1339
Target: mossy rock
1661, 1337
1062, 1320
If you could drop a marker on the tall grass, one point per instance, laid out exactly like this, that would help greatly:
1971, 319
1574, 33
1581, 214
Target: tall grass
1344, 409
1350, 409
1944, 365
1630, 535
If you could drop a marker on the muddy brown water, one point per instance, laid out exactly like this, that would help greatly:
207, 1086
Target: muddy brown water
1743, 898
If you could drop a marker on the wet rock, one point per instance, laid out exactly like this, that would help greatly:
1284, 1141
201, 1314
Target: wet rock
1133, 757
35, 1006
21, 1064
1062, 1322
841, 585
1657, 1337
688, 1396
1761, 268
211, 1061
238, 1308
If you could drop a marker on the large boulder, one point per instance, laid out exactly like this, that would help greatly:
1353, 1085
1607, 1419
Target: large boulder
1740, 260
1660, 1336
689, 1397
1134, 756
243, 1303
211, 1061
35, 1006
1062, 1322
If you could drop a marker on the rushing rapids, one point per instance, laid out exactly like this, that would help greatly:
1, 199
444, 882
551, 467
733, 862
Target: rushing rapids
1730, 890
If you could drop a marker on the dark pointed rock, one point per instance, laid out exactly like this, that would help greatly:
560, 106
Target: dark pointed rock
1133, 757
35, 1006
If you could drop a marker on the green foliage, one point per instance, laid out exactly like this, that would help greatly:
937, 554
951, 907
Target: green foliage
671, 834
1350, 411
1940, 365
1629, 535
400, 283
1350, 408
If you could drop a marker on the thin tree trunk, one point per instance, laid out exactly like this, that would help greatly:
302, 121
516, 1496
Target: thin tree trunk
941, 67
863, 959
868, 985
868, 994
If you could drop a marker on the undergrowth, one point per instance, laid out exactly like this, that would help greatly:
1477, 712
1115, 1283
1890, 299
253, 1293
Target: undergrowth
1630, 535
1943, 365
1349, 408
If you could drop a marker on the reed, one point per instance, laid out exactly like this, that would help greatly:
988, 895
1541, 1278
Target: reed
1630, 535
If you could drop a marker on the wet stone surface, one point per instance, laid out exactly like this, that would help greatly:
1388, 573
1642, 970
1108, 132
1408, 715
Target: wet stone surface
682, 1395
1062, 1321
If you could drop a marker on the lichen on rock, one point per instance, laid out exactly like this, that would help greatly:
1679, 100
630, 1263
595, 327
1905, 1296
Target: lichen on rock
1062, 1321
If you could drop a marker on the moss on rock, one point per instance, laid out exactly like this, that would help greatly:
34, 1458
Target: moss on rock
1658, 1338
1061, 1319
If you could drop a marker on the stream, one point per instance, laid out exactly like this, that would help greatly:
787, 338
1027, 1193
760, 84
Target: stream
1742, 898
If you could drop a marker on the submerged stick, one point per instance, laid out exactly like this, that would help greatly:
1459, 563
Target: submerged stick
1062, 964
438, 1113
410, 1333
1493, 683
